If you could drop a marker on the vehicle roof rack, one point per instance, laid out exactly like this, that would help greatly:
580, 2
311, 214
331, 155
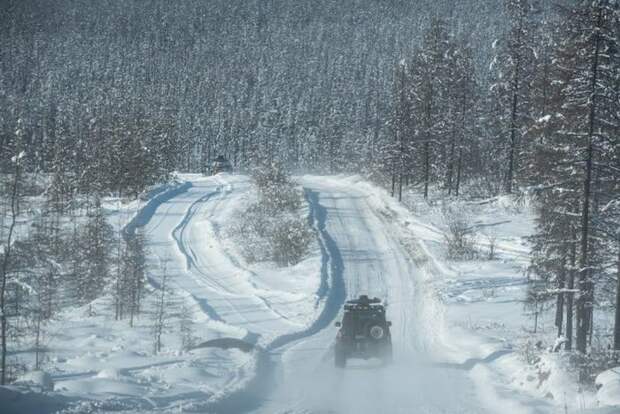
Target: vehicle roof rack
362, 302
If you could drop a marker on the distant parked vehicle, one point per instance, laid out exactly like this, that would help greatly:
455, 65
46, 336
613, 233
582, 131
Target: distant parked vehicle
221, 164
364, 332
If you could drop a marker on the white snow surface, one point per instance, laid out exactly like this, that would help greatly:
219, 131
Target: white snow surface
609, 391
455, 324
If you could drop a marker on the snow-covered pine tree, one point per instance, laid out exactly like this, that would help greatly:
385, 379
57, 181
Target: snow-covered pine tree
550, 163
513, 65
436, 48
401, 127
134, 270
428, 88
572, 141
186, 328
160, 313
590, 27
463, 102
93, 254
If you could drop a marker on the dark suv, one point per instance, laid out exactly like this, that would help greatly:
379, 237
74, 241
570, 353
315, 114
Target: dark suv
221, 164
364, 332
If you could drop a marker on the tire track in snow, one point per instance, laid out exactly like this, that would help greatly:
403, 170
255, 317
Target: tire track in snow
332, 292
177, 233
195, 267
191, 260
228, 189
230, 403
146, 213
332, 289
332, 286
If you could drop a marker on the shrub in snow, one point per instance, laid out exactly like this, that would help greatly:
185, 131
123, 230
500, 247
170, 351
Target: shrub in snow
264, 235
460, 234
530, 352
186, 328
272, 229
290, 239
492, 244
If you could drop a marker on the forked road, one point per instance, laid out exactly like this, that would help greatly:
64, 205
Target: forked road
362, 253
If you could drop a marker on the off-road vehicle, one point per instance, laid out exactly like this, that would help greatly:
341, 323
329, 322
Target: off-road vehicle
221, 164
364, 332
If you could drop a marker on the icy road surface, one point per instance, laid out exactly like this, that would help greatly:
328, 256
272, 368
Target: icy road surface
362, 250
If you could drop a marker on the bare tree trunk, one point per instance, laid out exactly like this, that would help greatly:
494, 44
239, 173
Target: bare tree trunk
160, 315
559, 309
400, 185
119, 257
460, 148
586, 286
401, 168
536, 311
571, 295
450, 172
513, 114
459, 163
37, 344
426, 167
427, 143
393, 183
400, 129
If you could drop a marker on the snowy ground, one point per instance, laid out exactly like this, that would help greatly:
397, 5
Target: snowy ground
456, 325
485, 303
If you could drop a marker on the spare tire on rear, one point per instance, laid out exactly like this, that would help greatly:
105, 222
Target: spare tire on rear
376, 332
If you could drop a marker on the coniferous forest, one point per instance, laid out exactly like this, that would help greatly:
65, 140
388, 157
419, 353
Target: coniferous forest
459, 100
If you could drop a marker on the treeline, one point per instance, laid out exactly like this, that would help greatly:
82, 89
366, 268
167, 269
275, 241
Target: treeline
112, 97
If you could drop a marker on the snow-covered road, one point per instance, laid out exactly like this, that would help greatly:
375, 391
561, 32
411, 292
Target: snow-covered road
362, 250
365, 257
184, 241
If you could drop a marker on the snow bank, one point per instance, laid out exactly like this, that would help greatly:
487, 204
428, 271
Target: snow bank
608, 383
